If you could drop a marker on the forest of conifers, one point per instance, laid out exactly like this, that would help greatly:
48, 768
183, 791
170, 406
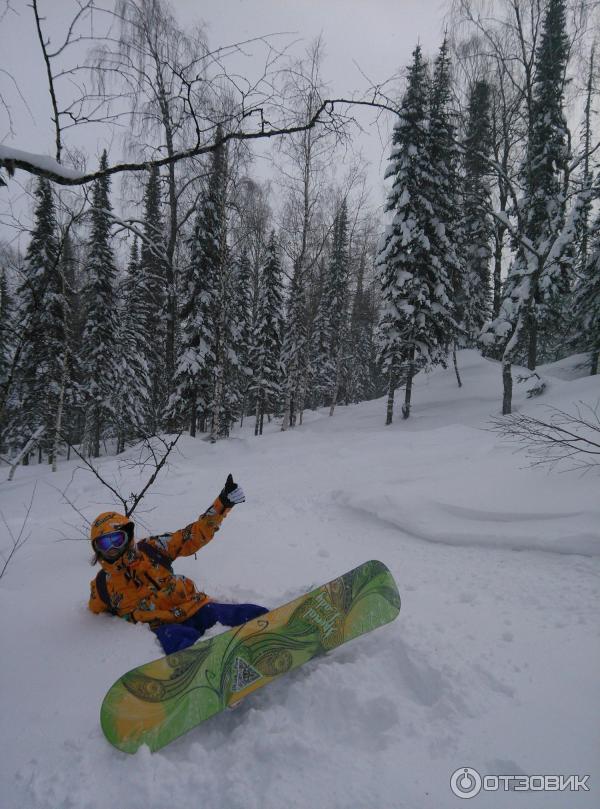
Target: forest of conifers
182, 288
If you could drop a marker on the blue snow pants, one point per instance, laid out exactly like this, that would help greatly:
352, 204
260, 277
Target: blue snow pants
175, 637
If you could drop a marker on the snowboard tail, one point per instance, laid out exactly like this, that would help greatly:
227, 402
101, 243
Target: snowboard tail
157, 702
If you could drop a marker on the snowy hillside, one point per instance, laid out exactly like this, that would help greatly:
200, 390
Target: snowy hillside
493, 662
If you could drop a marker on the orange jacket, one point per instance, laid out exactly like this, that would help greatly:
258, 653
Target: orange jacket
143, 589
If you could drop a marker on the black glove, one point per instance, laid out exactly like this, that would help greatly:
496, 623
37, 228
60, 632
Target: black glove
231, 493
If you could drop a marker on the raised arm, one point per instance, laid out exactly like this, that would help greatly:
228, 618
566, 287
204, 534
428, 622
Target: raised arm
197, 534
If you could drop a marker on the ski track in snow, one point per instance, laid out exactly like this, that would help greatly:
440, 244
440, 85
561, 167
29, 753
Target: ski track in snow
493, 662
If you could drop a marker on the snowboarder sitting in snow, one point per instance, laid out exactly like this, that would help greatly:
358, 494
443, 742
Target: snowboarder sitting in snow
137, 581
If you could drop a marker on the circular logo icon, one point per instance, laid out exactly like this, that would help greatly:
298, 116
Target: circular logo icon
465, 782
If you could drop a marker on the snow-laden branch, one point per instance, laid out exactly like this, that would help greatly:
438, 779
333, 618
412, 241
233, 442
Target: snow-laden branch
44, 166
41, 165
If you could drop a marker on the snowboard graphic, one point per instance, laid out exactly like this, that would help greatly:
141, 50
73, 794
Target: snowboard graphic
159, 701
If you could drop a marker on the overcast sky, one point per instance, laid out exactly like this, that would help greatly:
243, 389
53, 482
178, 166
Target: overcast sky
372, 37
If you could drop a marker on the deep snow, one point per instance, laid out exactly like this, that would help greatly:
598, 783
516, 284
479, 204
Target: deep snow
493, 662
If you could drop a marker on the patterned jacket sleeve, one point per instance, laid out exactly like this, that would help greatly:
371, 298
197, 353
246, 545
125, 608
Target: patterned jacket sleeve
194, 536
95, 603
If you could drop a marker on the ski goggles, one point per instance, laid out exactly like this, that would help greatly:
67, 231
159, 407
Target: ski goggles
111, 542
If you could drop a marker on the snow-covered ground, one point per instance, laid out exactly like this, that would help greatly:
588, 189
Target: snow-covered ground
493, 662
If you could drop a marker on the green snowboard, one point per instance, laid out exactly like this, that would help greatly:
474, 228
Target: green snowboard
159, 701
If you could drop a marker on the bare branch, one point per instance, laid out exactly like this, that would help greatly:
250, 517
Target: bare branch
563, 436
131, 501
55, 115
20, 540
323, 116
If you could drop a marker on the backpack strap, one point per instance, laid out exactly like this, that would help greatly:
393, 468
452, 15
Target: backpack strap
155, 555
102, 591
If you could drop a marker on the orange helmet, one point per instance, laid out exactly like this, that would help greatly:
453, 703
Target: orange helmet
110, 521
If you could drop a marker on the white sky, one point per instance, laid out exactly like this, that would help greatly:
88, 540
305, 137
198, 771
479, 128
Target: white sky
372, 36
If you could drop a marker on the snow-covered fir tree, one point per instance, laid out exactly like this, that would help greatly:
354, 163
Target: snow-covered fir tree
134, 412
268, 338
232, 311
152, 284
241, 330
6, 324
446, 236
70, 412
539, 275
584, 180
295, 346
318, 340
415, 325
586, 301
335, 308
196, 392
583, 302
101, 386
474, 296
360, 382
548, 166
8, 346
538, 280
43, 314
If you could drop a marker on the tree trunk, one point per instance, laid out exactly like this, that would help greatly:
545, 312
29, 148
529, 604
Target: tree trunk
594, 363
259, 400
293, 411
193, 407
96, 449
336, 389
219, 388
172, 233
532, 332
458, 379
218, 399
390, 402
171, 281
59, 414
507, 386
288, 418
407, 394
409, 384
497, 292
302, 395
243, 407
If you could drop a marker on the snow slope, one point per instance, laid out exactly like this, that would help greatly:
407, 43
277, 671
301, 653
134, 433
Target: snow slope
493, 662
